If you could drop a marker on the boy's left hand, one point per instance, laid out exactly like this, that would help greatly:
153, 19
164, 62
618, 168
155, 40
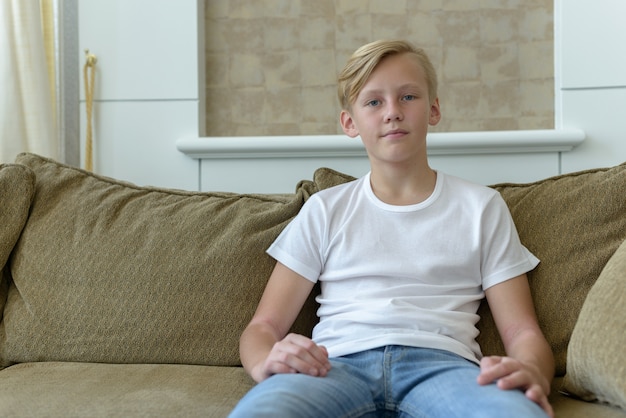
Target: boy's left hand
509, 373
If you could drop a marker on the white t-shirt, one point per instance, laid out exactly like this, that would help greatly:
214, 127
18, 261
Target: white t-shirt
402, 275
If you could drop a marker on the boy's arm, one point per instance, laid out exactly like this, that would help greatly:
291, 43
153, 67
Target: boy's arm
529, 364
264, 346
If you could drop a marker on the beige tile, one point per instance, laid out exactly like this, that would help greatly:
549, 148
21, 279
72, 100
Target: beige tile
281, 129
501, 99
461, 100
217, 70
353, 30
321, 128
422, 30
460, 28
216, 8
247, 129
317, 67
248, 106
318, 8
501, 124
316, 33
216, 35
393, 7
497, 26
536, 60
389, 26
283, 106
319, 104
218, 109
245, 9
459, 5
351, 6
245, 35
461, 63
281, 34
537, 98
539, 122
281, 69
459, 125
536, 24
246, 70
503, 4
424, 6
280, 8
499, 62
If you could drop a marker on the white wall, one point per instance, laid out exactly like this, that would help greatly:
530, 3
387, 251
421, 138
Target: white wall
149, 87
590, 79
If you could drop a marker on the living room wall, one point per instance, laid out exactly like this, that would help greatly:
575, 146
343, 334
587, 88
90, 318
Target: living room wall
271, 65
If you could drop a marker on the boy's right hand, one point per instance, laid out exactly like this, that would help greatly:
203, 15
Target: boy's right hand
296, 354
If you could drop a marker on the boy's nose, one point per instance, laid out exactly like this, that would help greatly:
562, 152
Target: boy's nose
393, 113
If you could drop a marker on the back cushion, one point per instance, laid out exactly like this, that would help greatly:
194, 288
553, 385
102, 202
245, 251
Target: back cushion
17, 186
573, 223
106, 271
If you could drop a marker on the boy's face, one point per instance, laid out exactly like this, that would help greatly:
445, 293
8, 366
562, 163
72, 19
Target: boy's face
393, 111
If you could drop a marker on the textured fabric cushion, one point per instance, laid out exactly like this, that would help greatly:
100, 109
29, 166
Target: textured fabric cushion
120, 390
17, 186
573, 223
106, 271
595, 357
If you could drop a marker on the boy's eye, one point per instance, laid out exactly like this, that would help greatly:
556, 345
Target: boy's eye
408, 97
373, 103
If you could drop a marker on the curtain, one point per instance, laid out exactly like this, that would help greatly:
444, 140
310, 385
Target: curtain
27, 103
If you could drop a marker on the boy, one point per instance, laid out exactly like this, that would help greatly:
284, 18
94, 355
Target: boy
404, 256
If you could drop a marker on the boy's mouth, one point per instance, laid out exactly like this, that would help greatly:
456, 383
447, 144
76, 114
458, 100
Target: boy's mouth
394, 133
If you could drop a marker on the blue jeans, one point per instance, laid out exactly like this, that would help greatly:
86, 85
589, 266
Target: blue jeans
391, 381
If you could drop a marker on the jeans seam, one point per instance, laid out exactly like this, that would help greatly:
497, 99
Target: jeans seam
390, 402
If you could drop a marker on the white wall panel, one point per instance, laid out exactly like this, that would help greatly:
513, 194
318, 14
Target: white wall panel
601, 113
499, 168
149, 87
146, 49
136, 142
281, 175
270, 175
593, 36
591, 80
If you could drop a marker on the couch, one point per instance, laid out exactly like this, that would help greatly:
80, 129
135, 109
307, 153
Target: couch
119, 300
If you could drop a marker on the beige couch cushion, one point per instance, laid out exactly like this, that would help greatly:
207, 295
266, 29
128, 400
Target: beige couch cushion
106, 271
573, 223
17, 187
595, 358
120, 390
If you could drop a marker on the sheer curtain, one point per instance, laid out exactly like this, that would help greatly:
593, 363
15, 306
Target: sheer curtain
27, 105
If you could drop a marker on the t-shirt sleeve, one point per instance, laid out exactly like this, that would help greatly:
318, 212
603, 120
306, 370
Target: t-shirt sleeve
503, 255
300, 245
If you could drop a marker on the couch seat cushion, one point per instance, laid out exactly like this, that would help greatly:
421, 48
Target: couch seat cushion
107, 390
567, 407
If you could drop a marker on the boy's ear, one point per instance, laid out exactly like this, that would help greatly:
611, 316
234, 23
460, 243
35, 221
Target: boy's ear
347, 124
435, 113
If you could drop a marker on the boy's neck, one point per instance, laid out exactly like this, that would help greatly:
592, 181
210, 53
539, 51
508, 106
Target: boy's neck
403, 187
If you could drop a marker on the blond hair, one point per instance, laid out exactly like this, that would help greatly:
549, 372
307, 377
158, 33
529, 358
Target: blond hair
365, 59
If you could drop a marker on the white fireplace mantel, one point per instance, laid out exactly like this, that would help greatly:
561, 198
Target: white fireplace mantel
448, 143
